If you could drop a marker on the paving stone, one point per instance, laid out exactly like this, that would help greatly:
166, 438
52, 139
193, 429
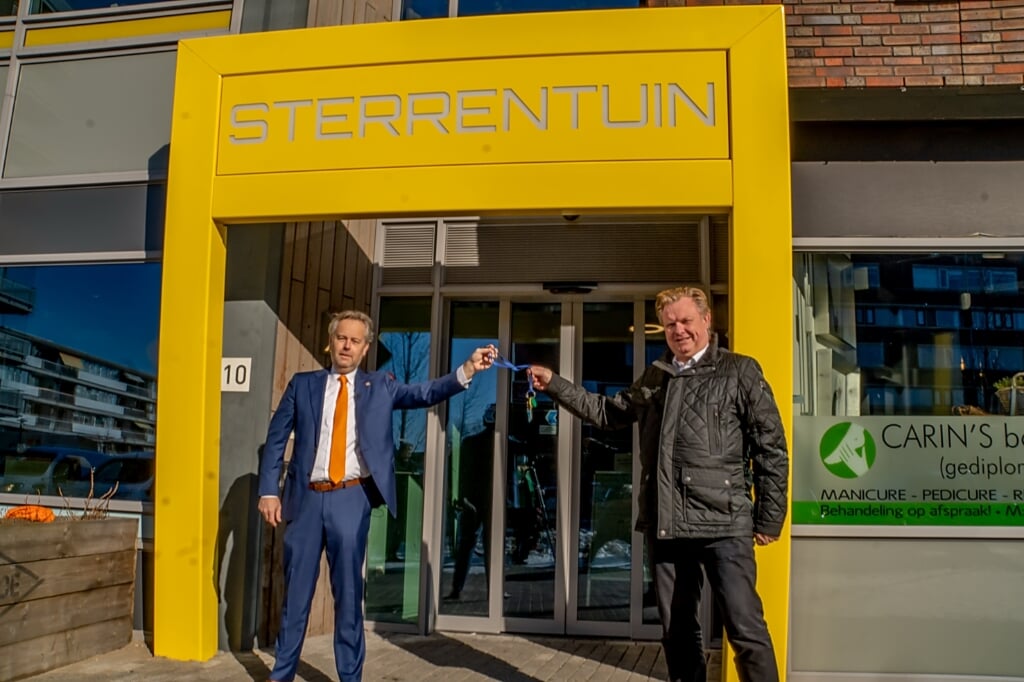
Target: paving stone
397, 657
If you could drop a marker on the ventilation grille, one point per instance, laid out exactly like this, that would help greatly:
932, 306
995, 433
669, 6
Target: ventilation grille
408, 253
588, 249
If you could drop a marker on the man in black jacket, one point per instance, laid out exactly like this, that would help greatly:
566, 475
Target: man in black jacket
709, 432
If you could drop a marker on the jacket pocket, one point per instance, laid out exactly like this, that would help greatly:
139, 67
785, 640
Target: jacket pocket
707, 496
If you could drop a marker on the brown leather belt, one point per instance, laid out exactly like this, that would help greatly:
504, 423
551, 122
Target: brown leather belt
328, 486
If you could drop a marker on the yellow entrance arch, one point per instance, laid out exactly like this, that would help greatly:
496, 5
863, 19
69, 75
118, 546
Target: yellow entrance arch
615, 112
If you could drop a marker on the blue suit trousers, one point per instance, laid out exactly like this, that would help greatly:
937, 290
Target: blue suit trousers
337, 521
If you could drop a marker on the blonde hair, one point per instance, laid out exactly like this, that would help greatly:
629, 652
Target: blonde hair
336, 318
670, 296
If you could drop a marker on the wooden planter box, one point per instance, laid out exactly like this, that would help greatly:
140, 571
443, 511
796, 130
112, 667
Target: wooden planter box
66, 591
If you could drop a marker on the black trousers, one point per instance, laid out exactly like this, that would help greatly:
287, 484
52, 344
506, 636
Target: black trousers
732, 573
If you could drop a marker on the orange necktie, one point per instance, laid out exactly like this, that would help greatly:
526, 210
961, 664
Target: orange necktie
340, 434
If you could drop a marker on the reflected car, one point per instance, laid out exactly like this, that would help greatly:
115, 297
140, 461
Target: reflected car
132, 472
47, 470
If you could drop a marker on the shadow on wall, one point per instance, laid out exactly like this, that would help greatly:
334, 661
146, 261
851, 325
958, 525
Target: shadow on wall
235, 580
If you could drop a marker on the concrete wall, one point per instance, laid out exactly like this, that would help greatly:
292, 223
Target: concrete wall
250, 331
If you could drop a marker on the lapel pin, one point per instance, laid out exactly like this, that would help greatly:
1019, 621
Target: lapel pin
367, 384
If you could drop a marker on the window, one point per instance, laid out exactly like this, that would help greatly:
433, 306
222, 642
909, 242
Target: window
393, 556
48, 6
428, 9
107, 114
77, 374
908, 463
273, 15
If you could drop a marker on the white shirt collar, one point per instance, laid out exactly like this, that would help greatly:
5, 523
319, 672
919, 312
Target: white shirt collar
691, 362
351, 376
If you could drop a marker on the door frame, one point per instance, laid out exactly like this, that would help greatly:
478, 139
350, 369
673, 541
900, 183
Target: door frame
226, 169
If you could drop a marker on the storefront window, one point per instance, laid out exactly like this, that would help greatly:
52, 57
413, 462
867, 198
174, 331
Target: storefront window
78, 353
393, 557
908, 461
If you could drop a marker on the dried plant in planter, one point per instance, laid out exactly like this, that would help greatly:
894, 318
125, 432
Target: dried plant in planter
92, 507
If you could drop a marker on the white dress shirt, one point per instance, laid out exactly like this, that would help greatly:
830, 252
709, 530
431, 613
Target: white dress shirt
680, 366
354, 464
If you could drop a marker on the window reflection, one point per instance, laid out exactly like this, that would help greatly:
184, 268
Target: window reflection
474, 7
78, 379
469, 466
606, 470
424, 9
393, 553
49, 6
910, 334
427, 9
531, 501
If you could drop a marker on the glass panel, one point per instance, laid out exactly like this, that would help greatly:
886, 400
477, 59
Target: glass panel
424, 9
273, 15
531, 499
654, 348
469, 468
48, 6
921, 334
52, 222
393, 554
472, 7
78, 379
907, 604
606, 480
92, 115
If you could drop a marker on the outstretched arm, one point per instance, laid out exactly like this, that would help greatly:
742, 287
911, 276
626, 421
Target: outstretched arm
600, 410
427, 393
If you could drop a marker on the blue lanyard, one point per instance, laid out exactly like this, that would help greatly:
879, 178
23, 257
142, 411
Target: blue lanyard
531, 394
502, 362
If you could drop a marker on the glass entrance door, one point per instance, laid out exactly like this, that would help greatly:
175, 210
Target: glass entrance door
538, 508
604, 486
535, 460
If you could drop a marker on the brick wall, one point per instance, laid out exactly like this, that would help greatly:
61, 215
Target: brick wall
899, 44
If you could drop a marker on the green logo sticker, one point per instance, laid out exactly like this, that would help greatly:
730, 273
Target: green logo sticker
847, 450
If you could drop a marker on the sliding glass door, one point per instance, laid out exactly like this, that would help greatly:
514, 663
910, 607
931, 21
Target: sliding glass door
537, 515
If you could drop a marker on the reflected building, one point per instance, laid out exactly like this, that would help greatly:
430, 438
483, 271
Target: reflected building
55, 395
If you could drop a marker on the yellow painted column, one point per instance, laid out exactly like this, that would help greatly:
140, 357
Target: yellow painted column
762, 261
188, 395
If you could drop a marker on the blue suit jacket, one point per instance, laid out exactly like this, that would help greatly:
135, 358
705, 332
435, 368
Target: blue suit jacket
377, 395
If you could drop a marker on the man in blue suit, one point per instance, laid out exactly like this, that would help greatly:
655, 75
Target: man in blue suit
342, 465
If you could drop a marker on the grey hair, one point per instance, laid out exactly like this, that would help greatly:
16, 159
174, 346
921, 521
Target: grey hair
336, 318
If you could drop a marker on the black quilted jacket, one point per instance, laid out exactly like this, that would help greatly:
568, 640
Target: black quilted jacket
722, 437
